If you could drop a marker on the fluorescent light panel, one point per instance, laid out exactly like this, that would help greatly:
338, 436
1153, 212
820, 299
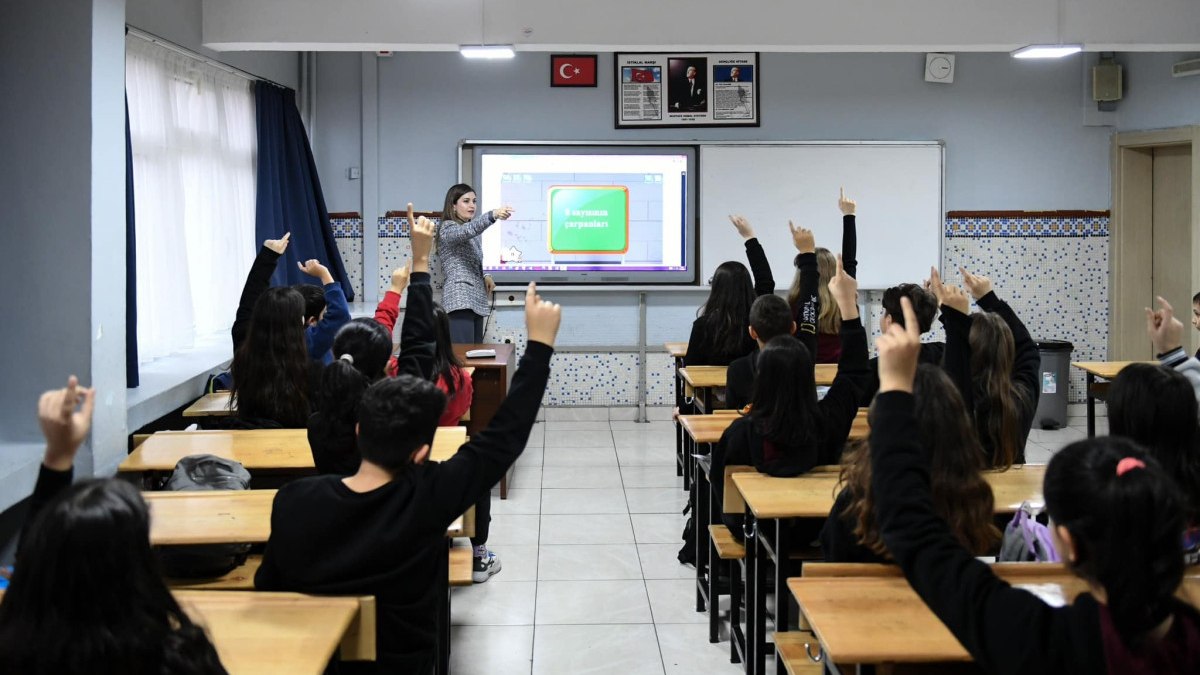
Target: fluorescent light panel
1046, 51
487, 51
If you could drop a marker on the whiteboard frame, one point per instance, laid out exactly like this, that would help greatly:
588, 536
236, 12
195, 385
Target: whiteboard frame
699, 145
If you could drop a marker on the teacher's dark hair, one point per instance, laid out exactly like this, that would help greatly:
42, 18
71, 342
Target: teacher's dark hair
87, 595
452, 196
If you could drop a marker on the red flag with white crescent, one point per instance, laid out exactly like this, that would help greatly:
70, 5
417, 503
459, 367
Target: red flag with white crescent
573, 70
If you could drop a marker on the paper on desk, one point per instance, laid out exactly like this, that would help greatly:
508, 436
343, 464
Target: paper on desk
1051, 594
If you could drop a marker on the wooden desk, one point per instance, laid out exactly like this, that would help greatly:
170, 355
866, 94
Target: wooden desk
264, 633
491, 380
882, 620
709, 428
1107, 370
824, 373
258, 449
210, 405
773, 502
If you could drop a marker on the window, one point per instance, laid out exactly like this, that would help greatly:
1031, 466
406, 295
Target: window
193, 134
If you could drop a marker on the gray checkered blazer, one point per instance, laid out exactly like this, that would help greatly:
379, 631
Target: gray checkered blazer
460, 255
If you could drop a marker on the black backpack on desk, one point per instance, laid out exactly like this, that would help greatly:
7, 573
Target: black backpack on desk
200, 561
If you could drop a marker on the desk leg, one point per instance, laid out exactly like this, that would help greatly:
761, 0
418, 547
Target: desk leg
700, 540
757, 645
750, 607
442, 576
783, 599
1091, 406
678, 426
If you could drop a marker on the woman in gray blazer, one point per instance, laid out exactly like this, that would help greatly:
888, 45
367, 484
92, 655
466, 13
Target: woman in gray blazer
465, 288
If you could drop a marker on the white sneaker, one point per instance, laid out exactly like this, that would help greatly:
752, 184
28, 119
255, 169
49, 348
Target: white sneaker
486, 564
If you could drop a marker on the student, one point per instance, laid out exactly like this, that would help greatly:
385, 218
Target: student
719, 332
787, 431
325, 308
1116, 519
465, 288
961, 495
770, 317
1196, 316
86, 594
273, 375
994, 362
380, 531
925, 305
363, 351
1166, 334
829, 342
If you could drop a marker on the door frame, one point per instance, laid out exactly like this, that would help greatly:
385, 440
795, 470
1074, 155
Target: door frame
1130, 251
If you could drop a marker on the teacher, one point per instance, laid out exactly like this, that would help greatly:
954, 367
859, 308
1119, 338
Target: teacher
465, 288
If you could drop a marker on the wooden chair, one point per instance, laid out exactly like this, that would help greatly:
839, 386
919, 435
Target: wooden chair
725, 547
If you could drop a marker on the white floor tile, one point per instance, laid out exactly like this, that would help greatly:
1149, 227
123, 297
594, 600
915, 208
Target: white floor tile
594, 529
578, 501
514, 529
596, 650
518, 562
495, 650
565, 438
686, 650
495, 603
526, 476
531, 457
653, 475
661, 455
592, 602
674, 601
577, 457
581, 477
558, 428
647, 439
659, 561
588, 562
656, 500
520, 501
657, 528
575, 414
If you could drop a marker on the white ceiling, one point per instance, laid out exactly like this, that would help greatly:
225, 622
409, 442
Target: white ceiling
754, 25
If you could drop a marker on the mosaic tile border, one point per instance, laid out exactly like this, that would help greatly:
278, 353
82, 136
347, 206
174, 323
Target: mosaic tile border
397, 227
1096, 226
346, 228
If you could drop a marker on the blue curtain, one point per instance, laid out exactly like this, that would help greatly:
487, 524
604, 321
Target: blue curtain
131, 345
289, 192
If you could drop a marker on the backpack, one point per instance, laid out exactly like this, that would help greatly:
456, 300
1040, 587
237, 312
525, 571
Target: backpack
196, 473
1026, 539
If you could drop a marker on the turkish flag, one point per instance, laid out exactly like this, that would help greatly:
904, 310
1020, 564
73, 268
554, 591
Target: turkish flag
642, 75
573, 70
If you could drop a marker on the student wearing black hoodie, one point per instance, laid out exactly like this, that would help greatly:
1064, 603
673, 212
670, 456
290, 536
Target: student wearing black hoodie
1116, 519
379, 532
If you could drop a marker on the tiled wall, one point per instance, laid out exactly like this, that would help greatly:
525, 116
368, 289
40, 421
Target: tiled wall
1053, 271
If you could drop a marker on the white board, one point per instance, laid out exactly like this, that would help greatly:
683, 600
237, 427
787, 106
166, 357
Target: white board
898, 188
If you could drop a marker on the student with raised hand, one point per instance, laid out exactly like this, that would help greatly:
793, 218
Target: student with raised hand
925, 306
829, 321
787, 431
770, 317
273, 375
363, 354
719, 332
1166, 334
994, 362
961, 495
1116, 518
86, 594
379, 532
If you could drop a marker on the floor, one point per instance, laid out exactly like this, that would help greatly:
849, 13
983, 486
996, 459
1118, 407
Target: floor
587, 539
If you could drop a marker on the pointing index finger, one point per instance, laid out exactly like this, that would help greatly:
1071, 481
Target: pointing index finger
910, 318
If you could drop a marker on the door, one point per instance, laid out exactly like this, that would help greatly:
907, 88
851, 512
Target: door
1172, 232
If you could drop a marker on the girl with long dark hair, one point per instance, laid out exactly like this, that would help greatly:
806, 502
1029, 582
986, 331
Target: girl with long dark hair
272, 372
994, 362
788, 431
961, 495
86, 595
1115, 516
719, 333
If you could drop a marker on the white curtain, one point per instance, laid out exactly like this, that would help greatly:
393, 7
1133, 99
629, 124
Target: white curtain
193, 133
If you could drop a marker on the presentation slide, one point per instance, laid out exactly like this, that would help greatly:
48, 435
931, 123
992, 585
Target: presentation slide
609, 214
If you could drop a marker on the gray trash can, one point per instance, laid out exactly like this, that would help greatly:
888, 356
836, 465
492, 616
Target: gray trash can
1054, 378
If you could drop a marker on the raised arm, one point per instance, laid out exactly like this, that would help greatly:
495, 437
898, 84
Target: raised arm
808, 305
956, 319
64, 429
987, 615
849, 234
760, 269
418, 341
257, 281
1166, 334
840, 405
1026, 358
388, 309
454, 233
337, 311
478, 465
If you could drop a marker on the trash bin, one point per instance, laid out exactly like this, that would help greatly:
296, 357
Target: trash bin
1054, 379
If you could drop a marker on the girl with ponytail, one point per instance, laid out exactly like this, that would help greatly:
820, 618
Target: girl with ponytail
994, 362
1116, 518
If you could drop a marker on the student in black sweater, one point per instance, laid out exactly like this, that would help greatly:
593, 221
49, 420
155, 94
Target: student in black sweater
719, 332
787, 431
86, 595
380, 531
829, 320
770, 317
961, 495
1116, 521
925, 305
994, 362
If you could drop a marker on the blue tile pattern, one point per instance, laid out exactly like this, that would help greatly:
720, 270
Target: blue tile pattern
397, 227
346, 228
1096, 226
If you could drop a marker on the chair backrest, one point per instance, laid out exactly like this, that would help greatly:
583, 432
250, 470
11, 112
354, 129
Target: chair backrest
733, 502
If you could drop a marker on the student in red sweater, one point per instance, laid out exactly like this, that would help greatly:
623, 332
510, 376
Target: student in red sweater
1116, 518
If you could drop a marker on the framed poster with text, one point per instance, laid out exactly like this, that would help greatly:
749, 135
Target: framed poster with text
694, 89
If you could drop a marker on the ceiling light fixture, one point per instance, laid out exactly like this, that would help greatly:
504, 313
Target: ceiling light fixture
483, 50
1054, 51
